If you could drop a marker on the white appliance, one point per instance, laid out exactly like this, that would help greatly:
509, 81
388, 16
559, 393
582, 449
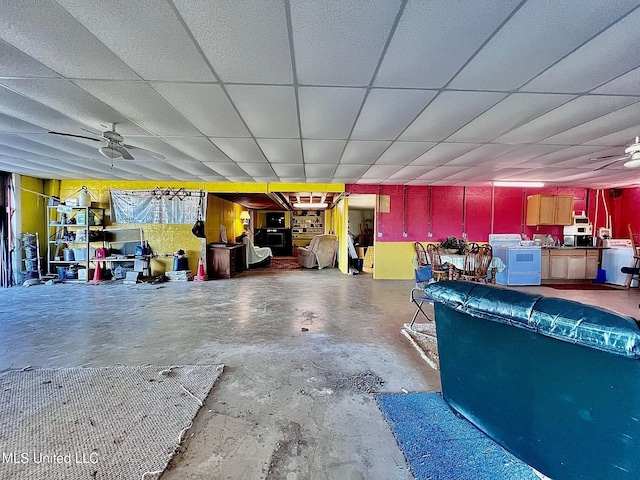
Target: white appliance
618, 255
522, 259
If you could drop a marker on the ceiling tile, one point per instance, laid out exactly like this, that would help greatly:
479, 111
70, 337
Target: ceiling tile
134, 38
141, 104
9, 123
573, 113
428, 48
68, 98
351, 170
403, 153
386, 113
269, 111
288, 169
206, 106
281, 150
363, 152
615, 52
408, 173
323, 151
25, 24
329, 112
619, 138
319, 171
18, 64
227, 169
443, 153
253, 34
511, 112
620, 119
448, 112
438, 173
30, 111
483, 154
626, 84
538, 35
257, 169
381, 171
354, 32
242, 150
199, 148
27, 145
521, 156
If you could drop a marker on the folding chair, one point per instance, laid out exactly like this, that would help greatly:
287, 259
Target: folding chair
418, 296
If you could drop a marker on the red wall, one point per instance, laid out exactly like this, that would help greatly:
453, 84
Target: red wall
455, 210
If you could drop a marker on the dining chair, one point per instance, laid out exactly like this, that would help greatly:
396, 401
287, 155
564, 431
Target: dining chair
421, 258
439, 271
476, 265
635, 245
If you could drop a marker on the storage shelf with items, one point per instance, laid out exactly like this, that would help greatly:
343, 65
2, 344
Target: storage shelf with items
306, 224
71, 233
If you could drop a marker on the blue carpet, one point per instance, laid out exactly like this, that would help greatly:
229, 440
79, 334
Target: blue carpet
439, 445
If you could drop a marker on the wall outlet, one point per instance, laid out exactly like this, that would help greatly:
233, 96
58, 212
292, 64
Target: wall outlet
405, 234
430, 235
379, 234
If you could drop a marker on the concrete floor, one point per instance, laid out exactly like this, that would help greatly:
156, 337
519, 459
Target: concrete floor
291, 404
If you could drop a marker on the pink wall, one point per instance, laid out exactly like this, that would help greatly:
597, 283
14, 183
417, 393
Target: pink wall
458, 209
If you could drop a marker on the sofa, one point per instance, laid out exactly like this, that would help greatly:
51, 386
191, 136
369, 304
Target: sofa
555, 382
320, 253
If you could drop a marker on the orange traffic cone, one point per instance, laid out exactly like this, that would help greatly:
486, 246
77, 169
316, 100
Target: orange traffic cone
201, 276
97, 273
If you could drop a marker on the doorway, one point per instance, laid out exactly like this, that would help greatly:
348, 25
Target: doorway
361, 227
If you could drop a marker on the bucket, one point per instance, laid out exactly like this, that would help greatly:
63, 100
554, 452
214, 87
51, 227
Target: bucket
180, 263
61, 273
601, 276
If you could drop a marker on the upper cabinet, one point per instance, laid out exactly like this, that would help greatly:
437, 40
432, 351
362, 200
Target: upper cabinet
549, 210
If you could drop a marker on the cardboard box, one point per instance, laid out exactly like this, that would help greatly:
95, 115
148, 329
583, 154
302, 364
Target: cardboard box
84, 274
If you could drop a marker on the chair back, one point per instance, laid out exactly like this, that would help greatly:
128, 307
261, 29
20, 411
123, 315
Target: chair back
635, 241
423, 275
477, 263
434, 256
421, 255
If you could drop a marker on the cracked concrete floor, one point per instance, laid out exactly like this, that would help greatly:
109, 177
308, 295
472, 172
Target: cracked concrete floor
291, 404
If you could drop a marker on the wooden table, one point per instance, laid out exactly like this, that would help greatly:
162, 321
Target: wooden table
225, 261
456, 264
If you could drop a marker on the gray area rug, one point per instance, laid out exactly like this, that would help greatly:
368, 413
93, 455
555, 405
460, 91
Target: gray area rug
97, 423
423, 337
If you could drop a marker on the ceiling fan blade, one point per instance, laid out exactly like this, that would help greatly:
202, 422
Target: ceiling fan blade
78, 136
157, 155
126, 155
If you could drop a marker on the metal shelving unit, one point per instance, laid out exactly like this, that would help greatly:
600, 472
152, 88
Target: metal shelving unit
72, 227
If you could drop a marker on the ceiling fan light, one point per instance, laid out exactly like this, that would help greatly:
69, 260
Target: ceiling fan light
109, 152
632, 163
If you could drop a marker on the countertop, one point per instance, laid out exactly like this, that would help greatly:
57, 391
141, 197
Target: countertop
562, 247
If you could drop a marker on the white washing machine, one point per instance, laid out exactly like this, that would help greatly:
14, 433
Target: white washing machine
620, 254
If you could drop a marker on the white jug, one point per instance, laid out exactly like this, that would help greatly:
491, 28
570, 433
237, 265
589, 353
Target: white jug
85, 198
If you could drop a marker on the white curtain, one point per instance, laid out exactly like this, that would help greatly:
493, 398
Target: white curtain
157, 206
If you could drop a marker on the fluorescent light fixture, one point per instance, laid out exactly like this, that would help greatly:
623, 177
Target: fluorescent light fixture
518, 184
310, 206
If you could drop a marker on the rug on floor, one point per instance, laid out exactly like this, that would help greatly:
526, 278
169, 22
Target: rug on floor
98, 423
440, 445
581, 286
423, 338
284, 263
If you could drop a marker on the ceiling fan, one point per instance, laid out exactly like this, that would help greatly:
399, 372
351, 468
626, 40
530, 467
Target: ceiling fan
631, 155
115, 147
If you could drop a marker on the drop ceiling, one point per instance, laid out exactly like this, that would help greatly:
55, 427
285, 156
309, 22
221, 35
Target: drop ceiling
413, 92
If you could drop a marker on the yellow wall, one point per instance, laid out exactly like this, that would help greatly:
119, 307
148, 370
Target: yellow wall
339, 226
164, 239
33, 210
222, 212
393, 261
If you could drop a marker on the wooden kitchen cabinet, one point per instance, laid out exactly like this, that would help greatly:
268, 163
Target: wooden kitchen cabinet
549, 210
593, 262
572, 264
544, 265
